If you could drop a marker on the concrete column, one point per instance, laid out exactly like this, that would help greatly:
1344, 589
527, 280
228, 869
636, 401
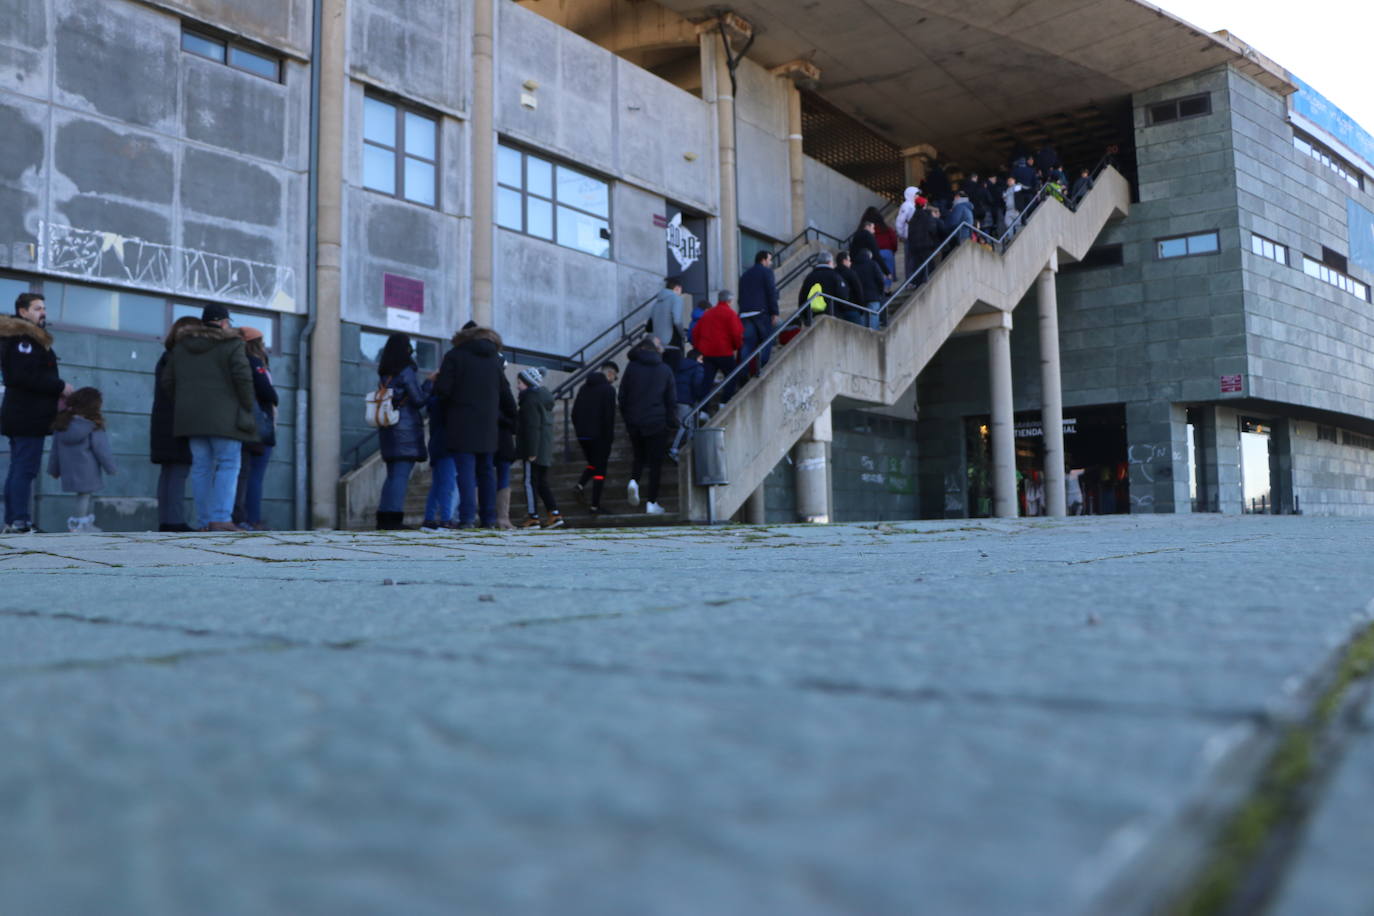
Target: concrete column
728, 257
756, 510
1003, 423
1052, 393
916, 161
326, 341
813, 475
796, 160
483, 160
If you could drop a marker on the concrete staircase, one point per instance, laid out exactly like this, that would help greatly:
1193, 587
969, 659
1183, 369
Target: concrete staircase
834, 358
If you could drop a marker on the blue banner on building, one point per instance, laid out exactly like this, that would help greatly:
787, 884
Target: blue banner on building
1320, 110
1360, 224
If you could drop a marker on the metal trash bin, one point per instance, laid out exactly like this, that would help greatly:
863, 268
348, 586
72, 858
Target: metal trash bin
708, 457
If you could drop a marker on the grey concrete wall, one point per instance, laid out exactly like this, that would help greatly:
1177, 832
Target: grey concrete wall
420, 50
1330, 478
765, 192
834, 203
873, 468
1310, 343
193, 184
275, 23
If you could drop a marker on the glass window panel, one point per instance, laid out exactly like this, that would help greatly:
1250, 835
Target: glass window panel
139, 314
1256, 245
379, 169
1173, 248
370, 345
420, 136
1188, 108
253, 62
10, 288
427, 354
87, 306
419, 181
1203, 244
1309, 267
205, 47
583, 192
538, 176
539, 216
183, 310
263, 323
508, 166
1161, 113
508, 209
379, 122
583, 232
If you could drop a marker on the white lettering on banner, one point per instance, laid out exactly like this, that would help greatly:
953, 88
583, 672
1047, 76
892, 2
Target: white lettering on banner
1035, 430
685, 246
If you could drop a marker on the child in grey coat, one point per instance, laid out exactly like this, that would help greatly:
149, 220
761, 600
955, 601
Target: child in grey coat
80, 451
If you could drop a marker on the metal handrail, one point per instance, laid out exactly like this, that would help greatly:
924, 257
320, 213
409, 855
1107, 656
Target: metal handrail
587, 366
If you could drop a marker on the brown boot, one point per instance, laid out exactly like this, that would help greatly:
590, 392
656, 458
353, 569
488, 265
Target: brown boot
503, 510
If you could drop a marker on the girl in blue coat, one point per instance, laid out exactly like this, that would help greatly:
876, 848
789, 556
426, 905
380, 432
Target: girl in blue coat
403, 444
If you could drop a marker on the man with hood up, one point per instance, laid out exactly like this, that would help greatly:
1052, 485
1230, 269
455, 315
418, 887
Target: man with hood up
470, 392
648, 404
665, 321
32, 388
211, 384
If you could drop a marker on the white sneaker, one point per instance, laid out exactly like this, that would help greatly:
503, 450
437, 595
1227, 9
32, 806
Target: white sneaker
83, 524
653, 508
632, 492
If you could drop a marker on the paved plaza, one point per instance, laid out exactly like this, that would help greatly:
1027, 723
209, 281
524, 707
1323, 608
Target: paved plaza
964, 717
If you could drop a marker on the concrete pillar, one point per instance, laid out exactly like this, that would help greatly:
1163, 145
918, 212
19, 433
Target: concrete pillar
1052, 393
326, 340
813, 473
796, 160
916, 162
483, 160
713, 55
1003, 422
756, 510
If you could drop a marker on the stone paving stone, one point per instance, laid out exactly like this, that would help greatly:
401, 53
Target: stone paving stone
946, 717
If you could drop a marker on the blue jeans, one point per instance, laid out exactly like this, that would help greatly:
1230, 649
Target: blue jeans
439, 505
214, 476
252, 489
870, 319
756, 330
476, 486
26, 457
890, 259
393, 497
502, 474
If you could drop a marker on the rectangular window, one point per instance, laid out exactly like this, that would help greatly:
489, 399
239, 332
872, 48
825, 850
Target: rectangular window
104, 309
1326, 433
1267, 249
1193, 106
552, 201
400, 152
427, 352
263, 321
1318, 270
1187, 245
1310, 147
236, 55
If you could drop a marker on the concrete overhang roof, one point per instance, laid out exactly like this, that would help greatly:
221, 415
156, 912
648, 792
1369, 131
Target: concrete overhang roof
939, 71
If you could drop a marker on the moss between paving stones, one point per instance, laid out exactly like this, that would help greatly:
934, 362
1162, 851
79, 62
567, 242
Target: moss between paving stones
1278, 800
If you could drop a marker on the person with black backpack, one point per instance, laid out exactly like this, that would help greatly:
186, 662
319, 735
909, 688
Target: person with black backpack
403, 442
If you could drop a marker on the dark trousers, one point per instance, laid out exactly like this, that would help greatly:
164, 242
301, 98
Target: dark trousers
171, 493
598, 452
476, 487
756, 330
26, 457
537, 485
648, 456
724, 365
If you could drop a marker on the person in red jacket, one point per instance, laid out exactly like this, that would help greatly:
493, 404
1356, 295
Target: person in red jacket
719, 335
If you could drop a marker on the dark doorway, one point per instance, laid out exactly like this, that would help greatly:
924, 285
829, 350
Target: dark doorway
686, 251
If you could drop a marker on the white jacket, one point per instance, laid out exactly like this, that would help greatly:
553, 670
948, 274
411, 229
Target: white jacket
906, 211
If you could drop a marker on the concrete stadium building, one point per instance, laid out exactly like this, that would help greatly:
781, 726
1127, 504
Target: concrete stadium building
1196, 336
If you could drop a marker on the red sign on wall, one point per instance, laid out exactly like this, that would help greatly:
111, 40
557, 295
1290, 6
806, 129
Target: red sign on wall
403, 293
1232, 384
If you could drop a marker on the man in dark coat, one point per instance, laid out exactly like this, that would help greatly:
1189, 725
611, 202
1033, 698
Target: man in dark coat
469, 389
844, 266
758, 306
865, 240
871, 281
830, 282
211, 385
32, 388
922, 235
534, 441
593, 416
648, 404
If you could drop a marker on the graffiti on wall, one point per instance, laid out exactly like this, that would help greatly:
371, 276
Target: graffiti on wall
107, 257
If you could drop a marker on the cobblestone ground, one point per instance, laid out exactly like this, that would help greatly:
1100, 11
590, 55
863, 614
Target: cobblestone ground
947, 718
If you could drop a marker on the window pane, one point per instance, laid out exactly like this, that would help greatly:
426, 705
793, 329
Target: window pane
253, 62
1202, 244
1188, 108
420, 133
1161, 113
10, 289
84, 305
540, 216
379, 169
427, 354
1311, 267
370, 345
183, 310
263, 323
583, 232
1173, 248
379, 122
139, 314
1256, 244
508, 166
419, 181
583, 192
539, 176
205, 47
508, 209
